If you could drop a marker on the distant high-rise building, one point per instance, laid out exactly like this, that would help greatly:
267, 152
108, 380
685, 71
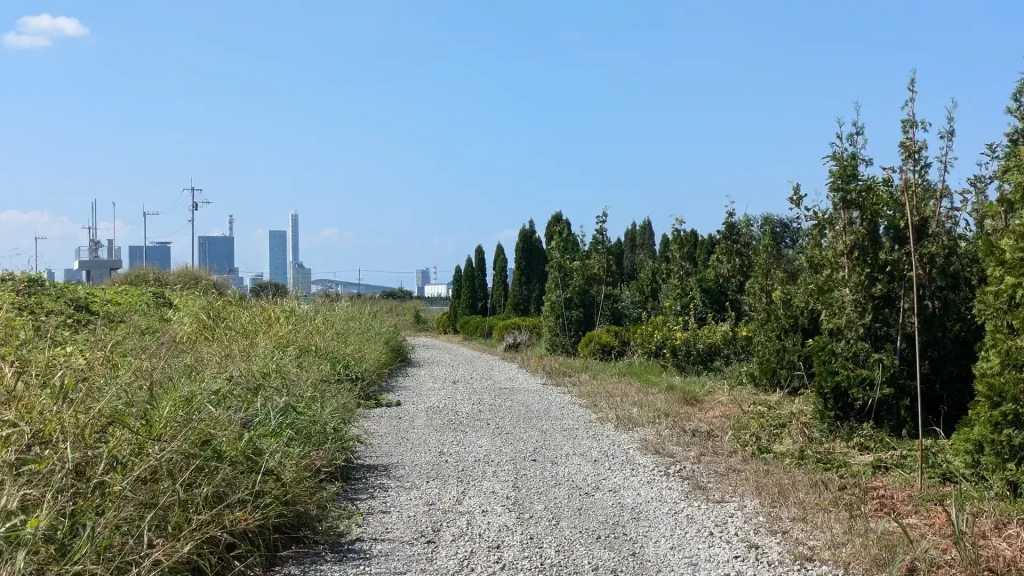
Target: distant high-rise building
300, 279
217, 255
278, 251
422, 279
72, 275
158, 255
50, 275
293, 238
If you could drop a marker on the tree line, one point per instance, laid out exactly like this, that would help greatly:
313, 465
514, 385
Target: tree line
896, 300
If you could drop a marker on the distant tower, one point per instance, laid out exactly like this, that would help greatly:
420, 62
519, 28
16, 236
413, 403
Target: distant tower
293, 237
231, 224
435, 273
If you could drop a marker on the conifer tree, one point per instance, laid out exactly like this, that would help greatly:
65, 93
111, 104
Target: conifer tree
665, 249
470, 299
499, 281
455, 303
991, 439
645, 240
538, 271
630, 253
526, 295
480, 267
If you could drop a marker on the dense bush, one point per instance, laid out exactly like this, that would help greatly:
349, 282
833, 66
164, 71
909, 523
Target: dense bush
531, 325
606, 343
443, 323
479, 326
160, 431
268, 290
190, 279
690, 347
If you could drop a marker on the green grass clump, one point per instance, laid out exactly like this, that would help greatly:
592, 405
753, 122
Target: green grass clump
149, 430
182, 278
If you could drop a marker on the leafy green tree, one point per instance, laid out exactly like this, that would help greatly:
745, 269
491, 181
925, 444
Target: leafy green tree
499, 281
991, 438
630, 253
395, 294
665, 249
480, 267
268, 290
558, 226
455, 303
470, 299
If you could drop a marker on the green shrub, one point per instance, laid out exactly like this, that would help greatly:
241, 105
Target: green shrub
150, 431
268, 290
180, 279
689, 347
443, 323
606, 343
531, 325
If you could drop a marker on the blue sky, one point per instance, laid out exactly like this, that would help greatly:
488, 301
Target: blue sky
405, 133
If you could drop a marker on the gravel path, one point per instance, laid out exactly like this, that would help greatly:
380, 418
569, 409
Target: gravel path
483, 469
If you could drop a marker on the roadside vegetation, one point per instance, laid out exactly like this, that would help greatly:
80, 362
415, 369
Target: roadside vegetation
854, 362
162, 424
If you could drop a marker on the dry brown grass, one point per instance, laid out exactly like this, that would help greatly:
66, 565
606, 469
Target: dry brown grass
868, 522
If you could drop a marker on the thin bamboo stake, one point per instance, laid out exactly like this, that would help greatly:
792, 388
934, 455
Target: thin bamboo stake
917, 339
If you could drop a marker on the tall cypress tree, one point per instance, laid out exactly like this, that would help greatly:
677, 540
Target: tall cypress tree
665, 249
470, 299
539, 268
558, 225
645, 240
480, 267
630, 257
499, 281
455, 304
518, 303
991, 438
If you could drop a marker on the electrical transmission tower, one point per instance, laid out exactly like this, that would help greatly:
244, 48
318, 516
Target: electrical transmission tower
145, 240
37, 239
192, 208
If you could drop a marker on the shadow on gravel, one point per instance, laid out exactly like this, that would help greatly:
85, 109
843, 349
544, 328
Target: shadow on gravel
366, 480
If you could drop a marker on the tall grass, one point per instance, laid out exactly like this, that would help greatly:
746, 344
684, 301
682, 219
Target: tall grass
148, 431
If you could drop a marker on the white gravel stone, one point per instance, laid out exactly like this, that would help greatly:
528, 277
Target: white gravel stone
484, 469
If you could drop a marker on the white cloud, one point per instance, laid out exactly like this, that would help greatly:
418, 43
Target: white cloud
25, 41
32, 32
330, 234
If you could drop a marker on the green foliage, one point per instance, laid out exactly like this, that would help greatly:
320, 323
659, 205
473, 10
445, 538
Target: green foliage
503, 327
690, 347
470, 299
479, 326
526, 294
443, 323
268, 290
197, 433
499, 282
190, 279
480, 269
607, 343
399, 293
991, 439
455, 303
579, 278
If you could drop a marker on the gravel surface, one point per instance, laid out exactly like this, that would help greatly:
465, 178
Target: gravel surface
484, 469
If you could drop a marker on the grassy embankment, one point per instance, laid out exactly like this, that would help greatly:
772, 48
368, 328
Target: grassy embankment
176, 429
850, 492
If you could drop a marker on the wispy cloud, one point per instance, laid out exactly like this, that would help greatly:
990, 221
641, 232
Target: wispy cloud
31, 32
330, 234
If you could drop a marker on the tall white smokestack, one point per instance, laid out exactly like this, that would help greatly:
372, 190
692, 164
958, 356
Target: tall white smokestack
231, 224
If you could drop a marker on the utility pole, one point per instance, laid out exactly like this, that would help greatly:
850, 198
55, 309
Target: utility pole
192, 208
37, 239
145, 240
359, 282
113, 234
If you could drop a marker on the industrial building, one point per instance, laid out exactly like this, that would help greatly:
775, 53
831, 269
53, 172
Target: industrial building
72, 275
277, 270
255, 279
50, 275
217, 255
300, 279
422, 279
97, 261
157, 255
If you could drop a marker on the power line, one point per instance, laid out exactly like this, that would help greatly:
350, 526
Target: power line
193, 207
